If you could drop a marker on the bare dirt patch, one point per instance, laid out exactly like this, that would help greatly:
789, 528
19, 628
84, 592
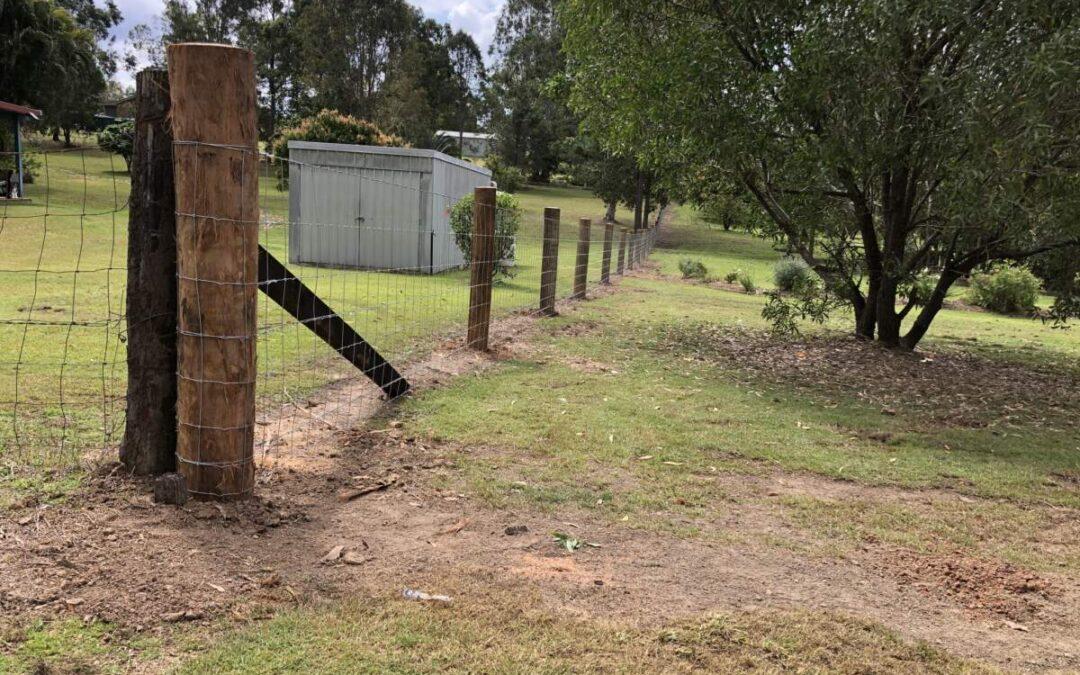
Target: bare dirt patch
951, 388
980, 586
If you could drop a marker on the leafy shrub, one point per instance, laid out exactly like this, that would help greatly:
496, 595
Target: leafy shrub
329, 126
747, 282
508, 178
790, 273
732, 277
919, 289
1005, 289
507, 222
118, 139
692, 269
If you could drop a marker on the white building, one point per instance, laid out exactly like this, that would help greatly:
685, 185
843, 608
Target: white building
372, 207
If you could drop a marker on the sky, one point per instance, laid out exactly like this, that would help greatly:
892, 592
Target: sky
476, 17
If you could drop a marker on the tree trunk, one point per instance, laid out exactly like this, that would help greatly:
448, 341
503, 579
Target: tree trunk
609, 216
638, 195
67, 138
930, 309
888, 321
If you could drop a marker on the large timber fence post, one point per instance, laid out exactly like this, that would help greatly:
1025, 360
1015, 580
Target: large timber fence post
149, 445
549, 264
482, 267
581, 266
216, 173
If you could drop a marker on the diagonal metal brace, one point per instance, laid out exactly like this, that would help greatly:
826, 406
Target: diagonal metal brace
284, 288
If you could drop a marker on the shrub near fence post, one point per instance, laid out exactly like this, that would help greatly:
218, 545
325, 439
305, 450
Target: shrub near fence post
549, 264
620, 267
605, 267
581, 267
482, 267
217, 232
149, 445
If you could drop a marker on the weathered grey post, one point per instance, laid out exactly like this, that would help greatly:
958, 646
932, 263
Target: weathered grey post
149, 445
581, 268
482, 267
605, 266
549, 264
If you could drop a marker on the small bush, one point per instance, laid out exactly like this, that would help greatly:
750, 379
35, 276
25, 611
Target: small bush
790, 273
692, 269
507, 222
919, 289
118, 139
1005, 289
508, 178
732, 277
747, 283
329, 126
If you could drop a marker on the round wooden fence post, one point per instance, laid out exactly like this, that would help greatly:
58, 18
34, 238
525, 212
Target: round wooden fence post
620, 267
549, 264
482, 267
581, 267
216, 165
605, 266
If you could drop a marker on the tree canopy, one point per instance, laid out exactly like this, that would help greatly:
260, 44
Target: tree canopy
883, 139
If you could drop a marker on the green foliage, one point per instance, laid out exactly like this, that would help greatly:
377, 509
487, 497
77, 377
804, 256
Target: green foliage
881, 140
118, 139
747, 282
530, 117
733, 276
1005, 289
329, 126
52, 60
918, 290
508, 178
791, 273
808, 301
507, 222
692, 269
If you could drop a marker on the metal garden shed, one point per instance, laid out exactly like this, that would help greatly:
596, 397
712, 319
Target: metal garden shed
373, 207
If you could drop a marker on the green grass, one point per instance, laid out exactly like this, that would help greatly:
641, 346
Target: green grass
63, 267
72, 646
497, 631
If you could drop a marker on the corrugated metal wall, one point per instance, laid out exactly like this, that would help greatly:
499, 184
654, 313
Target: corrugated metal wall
375, 208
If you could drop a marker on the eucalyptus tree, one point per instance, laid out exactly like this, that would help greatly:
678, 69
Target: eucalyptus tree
884, 139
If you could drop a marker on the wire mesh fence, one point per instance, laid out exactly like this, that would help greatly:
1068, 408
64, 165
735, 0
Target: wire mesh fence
62, 323
403, 287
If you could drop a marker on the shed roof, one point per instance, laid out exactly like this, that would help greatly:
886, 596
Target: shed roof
387, 150
19, 110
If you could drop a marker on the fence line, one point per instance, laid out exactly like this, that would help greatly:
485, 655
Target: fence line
63, 324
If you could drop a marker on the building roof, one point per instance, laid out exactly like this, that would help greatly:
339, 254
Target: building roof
464, 134
19, 110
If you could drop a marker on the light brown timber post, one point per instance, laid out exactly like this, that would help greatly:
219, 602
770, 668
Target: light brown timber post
149, 446
216, 165
581, 266
605, 265
620, 268
482, 267
549, 265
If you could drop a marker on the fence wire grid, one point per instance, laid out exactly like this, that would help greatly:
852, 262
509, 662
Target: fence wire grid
398, 277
